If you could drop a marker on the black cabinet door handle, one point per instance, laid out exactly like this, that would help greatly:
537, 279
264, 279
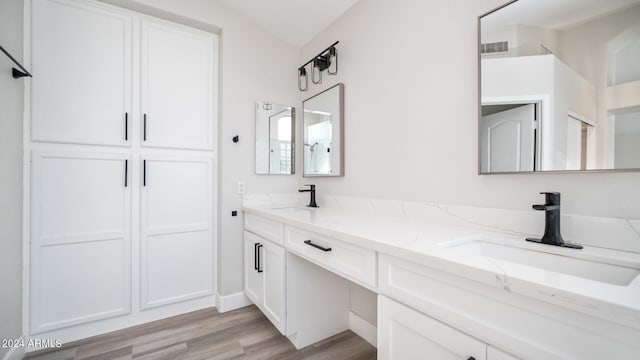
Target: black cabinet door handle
126, 172
144, 127
325, 249
255, 256
126, 126
259, 265
144, 172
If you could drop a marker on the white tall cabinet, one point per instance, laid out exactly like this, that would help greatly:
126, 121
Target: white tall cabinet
120, 163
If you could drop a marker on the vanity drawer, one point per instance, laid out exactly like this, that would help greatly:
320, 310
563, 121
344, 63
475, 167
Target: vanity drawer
353, 262
268, 229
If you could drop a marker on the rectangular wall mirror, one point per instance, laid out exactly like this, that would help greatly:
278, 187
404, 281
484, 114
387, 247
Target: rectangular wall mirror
275, 145
323, 137
560, 86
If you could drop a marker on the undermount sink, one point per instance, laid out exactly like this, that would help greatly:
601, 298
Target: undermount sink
293, 210
559, 262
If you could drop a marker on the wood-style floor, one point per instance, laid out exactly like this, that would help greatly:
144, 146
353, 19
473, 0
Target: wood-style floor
207, 334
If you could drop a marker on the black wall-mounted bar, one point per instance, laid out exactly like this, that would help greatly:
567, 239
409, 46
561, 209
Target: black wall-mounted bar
319, 55
15, 72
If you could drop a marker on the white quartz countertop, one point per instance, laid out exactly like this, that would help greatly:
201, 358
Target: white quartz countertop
422, 242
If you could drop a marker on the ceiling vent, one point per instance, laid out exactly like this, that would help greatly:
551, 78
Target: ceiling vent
496, 48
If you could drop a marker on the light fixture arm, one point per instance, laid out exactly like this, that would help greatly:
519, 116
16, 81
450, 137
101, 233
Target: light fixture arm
319, 55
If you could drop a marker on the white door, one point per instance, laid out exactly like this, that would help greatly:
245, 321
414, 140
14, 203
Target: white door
272, 263
507, 141
252, 278
81, 60
178, 93
80, 238
176, 229
405, 334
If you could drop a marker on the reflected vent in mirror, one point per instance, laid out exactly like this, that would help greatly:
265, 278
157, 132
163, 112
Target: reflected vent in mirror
494, 47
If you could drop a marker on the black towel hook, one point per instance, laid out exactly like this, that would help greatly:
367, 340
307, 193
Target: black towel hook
15, 72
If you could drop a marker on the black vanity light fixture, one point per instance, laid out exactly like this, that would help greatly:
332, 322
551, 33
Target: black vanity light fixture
325, 60
15, 72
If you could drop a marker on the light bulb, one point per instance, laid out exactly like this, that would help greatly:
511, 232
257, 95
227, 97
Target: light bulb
333, 61
316, 77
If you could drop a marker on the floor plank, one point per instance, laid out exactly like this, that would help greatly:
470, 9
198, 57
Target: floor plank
242, 334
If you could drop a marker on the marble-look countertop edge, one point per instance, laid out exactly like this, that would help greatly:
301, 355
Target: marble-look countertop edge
609, 302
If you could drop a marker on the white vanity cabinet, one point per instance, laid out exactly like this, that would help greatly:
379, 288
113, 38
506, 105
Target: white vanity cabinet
406, 334
264, 277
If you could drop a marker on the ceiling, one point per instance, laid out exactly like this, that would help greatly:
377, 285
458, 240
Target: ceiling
553, 14
295, 22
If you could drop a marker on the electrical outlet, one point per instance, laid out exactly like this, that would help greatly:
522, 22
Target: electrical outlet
241, 188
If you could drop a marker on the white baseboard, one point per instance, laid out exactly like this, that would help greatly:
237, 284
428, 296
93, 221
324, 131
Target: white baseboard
363, 328
16, 353
231, 302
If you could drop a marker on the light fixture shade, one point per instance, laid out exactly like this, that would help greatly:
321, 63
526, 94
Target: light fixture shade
303, 81
332, 68
316, 72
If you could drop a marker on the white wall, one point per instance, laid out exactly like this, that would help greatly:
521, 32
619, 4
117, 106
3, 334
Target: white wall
10, 174
410, 71
410, 74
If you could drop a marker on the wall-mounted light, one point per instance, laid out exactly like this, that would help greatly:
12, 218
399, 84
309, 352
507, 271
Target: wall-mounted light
325, 60
302, 79
333, 61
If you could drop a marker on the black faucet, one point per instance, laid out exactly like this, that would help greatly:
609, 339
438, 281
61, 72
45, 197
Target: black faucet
552, 234
312, 190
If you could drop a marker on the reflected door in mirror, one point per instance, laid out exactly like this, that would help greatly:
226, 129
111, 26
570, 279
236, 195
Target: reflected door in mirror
275, 125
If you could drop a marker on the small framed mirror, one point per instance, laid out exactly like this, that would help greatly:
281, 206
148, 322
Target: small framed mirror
559, 87
275, 145
323, 139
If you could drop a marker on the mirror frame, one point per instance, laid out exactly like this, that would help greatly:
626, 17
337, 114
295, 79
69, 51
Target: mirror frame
479, 115
340, 87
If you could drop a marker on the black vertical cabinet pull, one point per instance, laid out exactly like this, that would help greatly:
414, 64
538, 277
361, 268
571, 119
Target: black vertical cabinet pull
144, 127
144, 172
126, 172
126, 126
255, 256
259, 265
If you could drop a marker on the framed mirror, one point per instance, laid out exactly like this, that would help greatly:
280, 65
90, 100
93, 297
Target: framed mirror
275, 144
559, 86
323, 138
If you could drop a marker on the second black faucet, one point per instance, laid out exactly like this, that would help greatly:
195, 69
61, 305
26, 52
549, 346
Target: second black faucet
312, 190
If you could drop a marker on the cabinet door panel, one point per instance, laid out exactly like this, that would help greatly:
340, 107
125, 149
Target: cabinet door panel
495, 354
81, 61
405, 334
178, 74
272, 259
80, 238
176, 230
252, 278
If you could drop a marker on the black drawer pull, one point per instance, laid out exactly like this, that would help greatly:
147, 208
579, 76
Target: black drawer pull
325, 249
144, 127
259, 264
126, 172
126, 126
255, 256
